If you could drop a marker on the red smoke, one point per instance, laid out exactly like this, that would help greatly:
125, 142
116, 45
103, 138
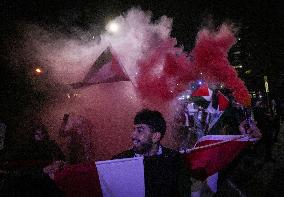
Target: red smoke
211, 58
164, 73
167, 71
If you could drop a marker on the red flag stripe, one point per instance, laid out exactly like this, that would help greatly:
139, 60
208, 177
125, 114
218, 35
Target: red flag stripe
201, 91
223, 101
212, 153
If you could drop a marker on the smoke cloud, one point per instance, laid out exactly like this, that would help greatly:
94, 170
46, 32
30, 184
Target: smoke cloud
149, 55
68, 58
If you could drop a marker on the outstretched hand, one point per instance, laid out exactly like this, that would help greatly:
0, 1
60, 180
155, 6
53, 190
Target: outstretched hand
251, 130
54, 167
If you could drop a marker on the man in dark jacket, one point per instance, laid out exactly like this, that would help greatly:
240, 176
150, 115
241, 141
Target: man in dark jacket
164, 170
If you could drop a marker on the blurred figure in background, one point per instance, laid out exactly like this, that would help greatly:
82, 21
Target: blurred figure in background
2, 134
2, 150
264, 119
2, 137
276, 111
46, 149
251, 130
23, 168
79, 132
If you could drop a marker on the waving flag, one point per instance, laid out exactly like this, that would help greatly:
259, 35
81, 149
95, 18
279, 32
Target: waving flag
106, 69
201, 94
203, 91
120, 178
214, 152
126, 176
79, 180
223, 101
110, 72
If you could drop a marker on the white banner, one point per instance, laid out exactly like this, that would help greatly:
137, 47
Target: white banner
122, 177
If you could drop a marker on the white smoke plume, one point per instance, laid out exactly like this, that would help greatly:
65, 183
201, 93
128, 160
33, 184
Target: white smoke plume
69, 59
137, 34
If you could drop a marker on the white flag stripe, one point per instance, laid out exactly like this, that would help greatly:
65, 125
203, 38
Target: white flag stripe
208, 98
122, 177
227, 138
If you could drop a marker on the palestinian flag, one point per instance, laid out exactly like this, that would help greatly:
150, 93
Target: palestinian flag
106, 69
203, 91
212, 153
79, 180
223, 101
119, 177
202, 95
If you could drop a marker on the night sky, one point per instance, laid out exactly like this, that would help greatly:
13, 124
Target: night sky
260, 23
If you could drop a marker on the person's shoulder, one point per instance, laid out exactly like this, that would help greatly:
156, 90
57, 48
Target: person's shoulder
125, 154
174, 157
168, 152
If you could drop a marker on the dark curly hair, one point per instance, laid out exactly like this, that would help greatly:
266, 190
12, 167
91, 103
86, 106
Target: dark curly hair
153, 119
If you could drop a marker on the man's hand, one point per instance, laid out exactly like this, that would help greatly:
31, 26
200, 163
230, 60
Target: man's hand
54, 167
252, 130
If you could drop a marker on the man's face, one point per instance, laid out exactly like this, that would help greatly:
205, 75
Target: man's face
142, 138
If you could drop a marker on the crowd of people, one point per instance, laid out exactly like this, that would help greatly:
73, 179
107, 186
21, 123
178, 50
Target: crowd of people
29, 170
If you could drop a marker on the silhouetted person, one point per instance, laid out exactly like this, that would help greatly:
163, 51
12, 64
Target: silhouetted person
79, 131
276, 111
46, 149
23, 171
263, 118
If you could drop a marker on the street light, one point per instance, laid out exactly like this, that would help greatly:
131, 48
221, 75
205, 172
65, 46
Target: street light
112, 27
38, 70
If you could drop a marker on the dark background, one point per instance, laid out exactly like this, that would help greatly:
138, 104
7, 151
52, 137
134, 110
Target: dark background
258, 50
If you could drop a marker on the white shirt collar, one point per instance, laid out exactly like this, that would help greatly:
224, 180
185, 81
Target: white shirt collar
160, 151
